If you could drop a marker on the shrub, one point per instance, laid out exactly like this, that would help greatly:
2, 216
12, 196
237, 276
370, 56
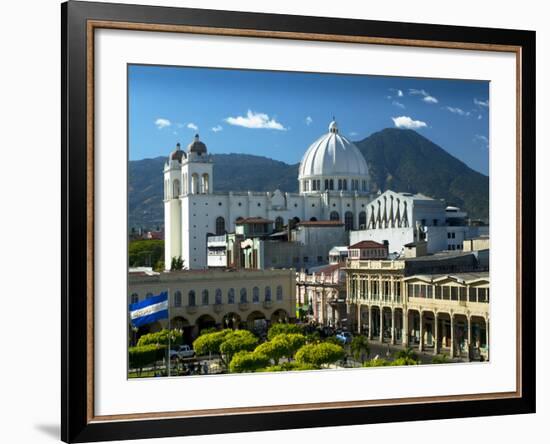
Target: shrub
319, 354
405, 361
377, 362
141, 356
245, 361
440, 359
278, 329
289, 366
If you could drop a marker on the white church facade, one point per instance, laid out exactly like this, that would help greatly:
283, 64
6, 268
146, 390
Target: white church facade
332, 186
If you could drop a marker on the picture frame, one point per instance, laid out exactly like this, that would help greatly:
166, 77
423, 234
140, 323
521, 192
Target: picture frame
80, 20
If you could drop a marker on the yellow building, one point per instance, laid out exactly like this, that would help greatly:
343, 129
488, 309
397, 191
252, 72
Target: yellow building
201, 299
444, 312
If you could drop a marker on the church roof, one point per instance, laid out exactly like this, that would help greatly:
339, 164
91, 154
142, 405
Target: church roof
197, 146
333, 155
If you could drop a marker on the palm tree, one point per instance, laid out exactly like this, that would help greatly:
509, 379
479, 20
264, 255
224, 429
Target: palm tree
359, 348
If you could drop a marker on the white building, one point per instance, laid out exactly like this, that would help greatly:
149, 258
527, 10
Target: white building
333, 186
404, 218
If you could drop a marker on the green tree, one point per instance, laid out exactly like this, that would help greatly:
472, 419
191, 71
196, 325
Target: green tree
145, 253
282, 345
139, 357
161, 337
278, 329
289, 366
405, 361
246, 361
236, 341
359, 347
320, 354
176, 264
210, 342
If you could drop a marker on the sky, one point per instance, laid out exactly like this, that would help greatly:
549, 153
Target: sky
280, 114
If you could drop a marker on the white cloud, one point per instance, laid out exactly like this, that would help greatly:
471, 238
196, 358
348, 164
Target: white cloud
217, 128
426, 96
398, 104
479, 117
407, 122
256, 120
397, 92
309, 120
484, 141
483, 103
430, 99
192, 126
162, 123
353, 134
456, 110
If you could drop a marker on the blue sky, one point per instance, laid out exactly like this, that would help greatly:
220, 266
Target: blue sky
279, 114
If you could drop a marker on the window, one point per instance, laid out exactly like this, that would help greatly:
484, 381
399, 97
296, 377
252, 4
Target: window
446, 293
345, 184
348, 220
218, 296
438, 292
429, 291
364, 185
339, 184
231, 296
255, 295
362, 220
243, 296
319, 259
454, 293
134, 299
326, 184
192, 298
482, 295
176, 188
279, 293
177, 299
334, 215
472, 294
204, 185
279, 223
331, 184
462, 293
204, 297
220, 226
267, 294
448, 235
306, 259
434, 222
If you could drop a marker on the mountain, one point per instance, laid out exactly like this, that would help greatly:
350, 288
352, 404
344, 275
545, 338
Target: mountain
401, 160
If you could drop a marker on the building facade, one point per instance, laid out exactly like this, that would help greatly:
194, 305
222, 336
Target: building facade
332, 181
224, 299
443, 312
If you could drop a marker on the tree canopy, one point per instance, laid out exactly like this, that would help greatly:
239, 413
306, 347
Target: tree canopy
320, 354
161, 337
278, 329
145, 253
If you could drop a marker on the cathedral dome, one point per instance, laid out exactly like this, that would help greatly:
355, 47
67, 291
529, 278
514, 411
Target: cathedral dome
334, 157
196, 146
177, 154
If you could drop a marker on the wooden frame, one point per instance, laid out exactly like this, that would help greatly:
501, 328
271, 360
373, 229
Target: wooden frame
79, 21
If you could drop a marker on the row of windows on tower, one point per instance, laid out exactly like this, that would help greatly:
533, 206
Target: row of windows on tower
198, 185
341, 185
218, 296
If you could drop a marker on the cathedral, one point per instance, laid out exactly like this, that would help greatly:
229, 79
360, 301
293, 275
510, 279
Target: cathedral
332, 181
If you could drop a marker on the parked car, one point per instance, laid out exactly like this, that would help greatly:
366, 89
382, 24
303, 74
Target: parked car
183, 351
344, 336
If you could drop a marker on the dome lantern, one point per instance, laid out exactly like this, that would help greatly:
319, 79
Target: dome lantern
197, 146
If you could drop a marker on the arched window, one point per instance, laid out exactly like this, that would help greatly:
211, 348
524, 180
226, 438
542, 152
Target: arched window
220, 226
231, 296
268, 294
243, 296
176, 187
204, 298
194, 183
192, 298
279, 223
334, 215
348, 220
134, 299
339, 184
218, 296
362, 220
331, 184
205, 184
345, 185
177, 299
364, 185
255, 295
279, 294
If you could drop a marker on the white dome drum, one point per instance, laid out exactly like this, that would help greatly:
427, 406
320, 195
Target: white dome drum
333, 163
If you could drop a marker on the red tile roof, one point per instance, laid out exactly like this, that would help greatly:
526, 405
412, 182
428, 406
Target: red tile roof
367, 244
321, 223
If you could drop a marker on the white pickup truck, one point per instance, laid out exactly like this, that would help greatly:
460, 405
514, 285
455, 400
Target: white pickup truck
183, 351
